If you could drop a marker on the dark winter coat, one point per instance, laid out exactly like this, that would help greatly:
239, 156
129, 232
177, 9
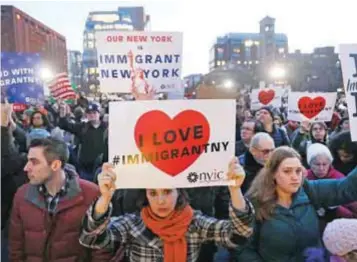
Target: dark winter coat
37, 236
290, 231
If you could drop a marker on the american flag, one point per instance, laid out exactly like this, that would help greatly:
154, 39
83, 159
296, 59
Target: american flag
61, 88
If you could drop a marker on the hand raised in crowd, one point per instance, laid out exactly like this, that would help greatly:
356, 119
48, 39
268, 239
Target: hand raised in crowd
6, 110
64, 109
150, 95
237, 174
106, 182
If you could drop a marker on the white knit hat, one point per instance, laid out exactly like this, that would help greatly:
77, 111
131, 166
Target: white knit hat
317, 149
340, 236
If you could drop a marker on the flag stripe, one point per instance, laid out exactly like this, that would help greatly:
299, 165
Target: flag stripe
61, 87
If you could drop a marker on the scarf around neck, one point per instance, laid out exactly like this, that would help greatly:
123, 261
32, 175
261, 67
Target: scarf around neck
171, 230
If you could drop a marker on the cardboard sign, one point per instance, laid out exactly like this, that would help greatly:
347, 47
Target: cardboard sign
348, 57
315, 107
20, 79
266, 97
171, 144
139, 59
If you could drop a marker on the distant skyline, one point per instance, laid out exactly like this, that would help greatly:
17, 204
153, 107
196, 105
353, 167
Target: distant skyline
308, 24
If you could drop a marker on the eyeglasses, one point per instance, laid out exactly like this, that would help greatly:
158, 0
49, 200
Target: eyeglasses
246, 128
265, 151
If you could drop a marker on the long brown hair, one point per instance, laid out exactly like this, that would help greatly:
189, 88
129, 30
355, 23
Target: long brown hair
263, 189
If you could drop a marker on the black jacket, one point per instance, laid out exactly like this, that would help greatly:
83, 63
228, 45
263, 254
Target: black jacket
12, 174
93, 143
251, 168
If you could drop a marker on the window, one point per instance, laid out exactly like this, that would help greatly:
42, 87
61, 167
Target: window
92, 70
281, 50
18, 17
90, 36
90, 44
236, 50
238, 62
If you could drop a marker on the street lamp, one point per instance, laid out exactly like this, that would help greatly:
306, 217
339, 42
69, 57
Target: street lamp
228, 84
277, 72
46, 74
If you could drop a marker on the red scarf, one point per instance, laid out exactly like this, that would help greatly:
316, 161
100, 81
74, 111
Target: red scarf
171, 230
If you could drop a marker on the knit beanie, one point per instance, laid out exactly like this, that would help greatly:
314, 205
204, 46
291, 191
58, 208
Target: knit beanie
316, 149
340, 236
267, 108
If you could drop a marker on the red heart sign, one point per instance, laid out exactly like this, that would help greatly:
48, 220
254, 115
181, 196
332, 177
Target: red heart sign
311, 107
178, 142
265, 97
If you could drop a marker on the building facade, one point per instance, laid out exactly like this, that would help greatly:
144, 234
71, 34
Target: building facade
319, 71
123, 19
75, 69
249, 49
22, 33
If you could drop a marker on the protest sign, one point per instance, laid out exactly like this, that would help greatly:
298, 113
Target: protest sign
304, 106
171, 144
139, 59
266, 97
20, 78
348, 57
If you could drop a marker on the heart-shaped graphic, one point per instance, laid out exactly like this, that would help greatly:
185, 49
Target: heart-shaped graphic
265, 97
311, 107
178, 142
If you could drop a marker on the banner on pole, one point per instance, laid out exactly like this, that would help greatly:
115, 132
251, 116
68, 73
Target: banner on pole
348, 58
165, 144
266, 97
315, 107
20, 79
139, 59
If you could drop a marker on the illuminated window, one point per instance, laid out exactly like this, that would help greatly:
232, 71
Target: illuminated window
218, 63
107, 18
92, 70
245, 62
256, 42
18, 17
90, 44
257, 62
238, 62
220, 50
236, 50
248, 43
90, 36
250, 62
223, 62
281, 50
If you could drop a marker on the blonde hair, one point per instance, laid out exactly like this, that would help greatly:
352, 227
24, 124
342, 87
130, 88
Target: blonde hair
351, 256
263, 189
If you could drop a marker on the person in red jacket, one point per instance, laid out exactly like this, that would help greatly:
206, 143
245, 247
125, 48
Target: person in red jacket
47, 212
319, 158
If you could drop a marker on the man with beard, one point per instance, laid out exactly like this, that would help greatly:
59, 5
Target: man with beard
260, 149
92, 136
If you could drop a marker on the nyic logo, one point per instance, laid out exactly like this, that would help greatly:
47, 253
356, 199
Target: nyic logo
201, 177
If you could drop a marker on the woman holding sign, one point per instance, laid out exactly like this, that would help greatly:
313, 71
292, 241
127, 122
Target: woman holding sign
167, 228
286, 204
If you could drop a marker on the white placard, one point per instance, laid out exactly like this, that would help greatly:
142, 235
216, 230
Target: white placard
189, 142
266, 97
348, 57
314, 107
139, 58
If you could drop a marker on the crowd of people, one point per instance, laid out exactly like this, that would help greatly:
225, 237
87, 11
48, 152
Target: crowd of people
294, 197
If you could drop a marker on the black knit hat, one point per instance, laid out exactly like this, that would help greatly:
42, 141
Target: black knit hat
267, 108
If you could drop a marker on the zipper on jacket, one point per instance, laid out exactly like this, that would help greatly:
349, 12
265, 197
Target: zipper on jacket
48, 236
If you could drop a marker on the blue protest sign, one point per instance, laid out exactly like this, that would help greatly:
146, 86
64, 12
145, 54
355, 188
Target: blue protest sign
19, 78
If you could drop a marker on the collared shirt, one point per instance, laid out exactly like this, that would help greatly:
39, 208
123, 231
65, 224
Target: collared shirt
52, 201
144, 246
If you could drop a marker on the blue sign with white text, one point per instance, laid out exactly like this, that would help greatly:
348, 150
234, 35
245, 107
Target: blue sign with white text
19, 78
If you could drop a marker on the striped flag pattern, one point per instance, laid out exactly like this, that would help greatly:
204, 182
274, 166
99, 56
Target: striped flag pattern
61, 88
